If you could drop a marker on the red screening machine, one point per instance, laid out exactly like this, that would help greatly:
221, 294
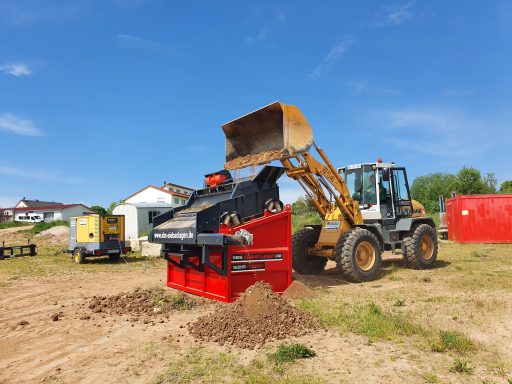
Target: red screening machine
229, 235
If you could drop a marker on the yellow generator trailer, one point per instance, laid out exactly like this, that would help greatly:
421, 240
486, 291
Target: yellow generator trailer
97, 235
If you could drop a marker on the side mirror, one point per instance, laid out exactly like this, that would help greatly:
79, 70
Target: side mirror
385, 174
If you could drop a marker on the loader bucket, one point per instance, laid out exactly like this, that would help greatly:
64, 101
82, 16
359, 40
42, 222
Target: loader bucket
277, 131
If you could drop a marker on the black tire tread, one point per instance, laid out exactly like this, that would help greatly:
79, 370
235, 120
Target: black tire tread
411, 247
344, 255
303, 264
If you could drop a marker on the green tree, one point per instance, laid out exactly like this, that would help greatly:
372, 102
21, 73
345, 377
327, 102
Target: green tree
506, 187
427, 189
99, 209
470, 182
112, 205
490, 182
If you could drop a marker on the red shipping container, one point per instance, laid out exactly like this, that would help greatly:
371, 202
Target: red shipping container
480, 218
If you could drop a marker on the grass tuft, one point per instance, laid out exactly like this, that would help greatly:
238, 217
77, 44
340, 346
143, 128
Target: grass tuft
453, 341
290, 352
430, 378
202, 366
461, 366
399, 303
368, 320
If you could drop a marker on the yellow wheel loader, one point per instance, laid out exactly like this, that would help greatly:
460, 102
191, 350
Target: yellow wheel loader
366, 208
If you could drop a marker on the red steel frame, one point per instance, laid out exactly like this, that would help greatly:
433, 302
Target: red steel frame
269, 259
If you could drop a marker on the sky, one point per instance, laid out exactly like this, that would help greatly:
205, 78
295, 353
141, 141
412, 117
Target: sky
99, 99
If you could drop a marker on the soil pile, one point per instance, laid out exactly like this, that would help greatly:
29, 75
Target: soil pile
254, 159
297, 290
257, 317
141, 303
55, 235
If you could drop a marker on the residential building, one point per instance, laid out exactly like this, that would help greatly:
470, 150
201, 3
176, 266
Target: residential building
139, 216
52, 212
152, 194
24, 203
177, 188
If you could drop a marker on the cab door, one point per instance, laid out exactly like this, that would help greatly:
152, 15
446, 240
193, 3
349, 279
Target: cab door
401, 194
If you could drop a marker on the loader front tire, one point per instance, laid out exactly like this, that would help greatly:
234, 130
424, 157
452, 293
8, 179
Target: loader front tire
420, 247
359, 255
302, 262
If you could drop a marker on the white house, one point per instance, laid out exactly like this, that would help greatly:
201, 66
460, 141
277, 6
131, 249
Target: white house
139, 216
152, 194
52, 212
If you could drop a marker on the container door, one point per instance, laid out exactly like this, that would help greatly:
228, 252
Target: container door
451, 219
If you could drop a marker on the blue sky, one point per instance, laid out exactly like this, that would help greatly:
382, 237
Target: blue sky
101, 98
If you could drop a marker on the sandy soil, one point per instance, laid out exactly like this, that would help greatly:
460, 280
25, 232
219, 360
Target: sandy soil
72, 350
462, 294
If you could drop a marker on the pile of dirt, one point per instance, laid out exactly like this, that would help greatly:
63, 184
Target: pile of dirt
257, 317
141, 303
55, 235
297, 290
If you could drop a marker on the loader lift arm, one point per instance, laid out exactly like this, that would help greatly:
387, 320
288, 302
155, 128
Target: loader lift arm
313, 176
280, 132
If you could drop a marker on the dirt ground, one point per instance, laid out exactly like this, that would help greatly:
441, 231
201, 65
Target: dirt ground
469, 292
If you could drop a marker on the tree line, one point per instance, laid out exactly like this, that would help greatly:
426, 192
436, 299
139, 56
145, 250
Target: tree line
468, 181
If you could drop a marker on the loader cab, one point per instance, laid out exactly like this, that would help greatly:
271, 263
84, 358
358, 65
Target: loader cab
381, 189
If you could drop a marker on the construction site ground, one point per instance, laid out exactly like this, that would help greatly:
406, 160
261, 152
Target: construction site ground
451, 324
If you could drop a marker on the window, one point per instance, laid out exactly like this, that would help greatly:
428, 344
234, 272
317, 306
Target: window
183, 201
361, 184
177, 190
152, 214
170, 189
403, 202
176, 200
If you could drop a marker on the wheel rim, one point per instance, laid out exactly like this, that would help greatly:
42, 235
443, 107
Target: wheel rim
427, 247
77, 256
365, 256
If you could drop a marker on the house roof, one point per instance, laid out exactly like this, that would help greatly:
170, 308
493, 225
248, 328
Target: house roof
38, 203
179, 186
149, 205
50, 207
160, 189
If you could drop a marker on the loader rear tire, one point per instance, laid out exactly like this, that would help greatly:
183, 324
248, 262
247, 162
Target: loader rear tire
420, 247
301, 261
359, 255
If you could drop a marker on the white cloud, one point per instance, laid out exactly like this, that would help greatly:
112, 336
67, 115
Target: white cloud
334, 55
397, 15
135, 42
35, 174
262, 35
363, 86
442, 133
17, 125
16, 69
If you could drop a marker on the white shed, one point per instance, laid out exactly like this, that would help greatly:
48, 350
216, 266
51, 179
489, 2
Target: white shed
139, 216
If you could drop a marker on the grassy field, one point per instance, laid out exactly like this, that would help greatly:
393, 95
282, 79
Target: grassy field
450, 324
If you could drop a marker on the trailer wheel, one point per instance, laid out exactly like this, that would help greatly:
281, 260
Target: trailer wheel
302, 262
79, 256
359, 255
113, 257
420, 247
